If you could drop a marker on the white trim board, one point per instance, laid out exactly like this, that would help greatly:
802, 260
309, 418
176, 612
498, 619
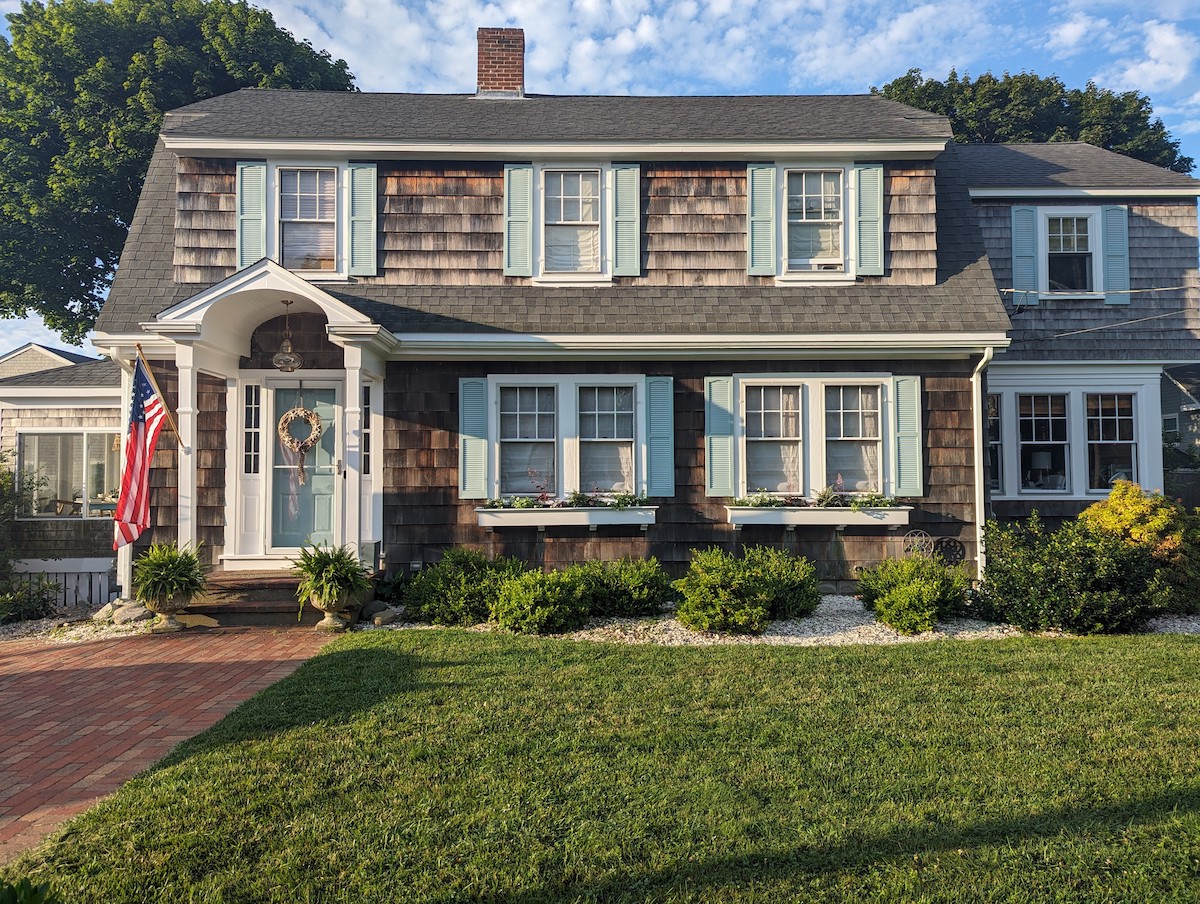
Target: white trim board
1126, 193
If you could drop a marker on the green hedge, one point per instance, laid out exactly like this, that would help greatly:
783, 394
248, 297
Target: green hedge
913, 594
724, 593
460, 589
539, 602
625, 587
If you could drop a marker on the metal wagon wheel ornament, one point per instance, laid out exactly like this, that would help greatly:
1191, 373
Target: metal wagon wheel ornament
301, 447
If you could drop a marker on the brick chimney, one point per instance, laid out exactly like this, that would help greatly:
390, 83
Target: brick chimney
501, 62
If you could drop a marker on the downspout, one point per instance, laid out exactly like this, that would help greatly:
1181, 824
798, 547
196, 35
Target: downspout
980, 441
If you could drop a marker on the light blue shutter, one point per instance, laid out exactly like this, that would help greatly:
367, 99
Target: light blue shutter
870, 219
1116, 255
660, 436
472, 439
760, 216
362, 219
910, 463
1025, 255
718, 436
518, 220
251, 194
627, 220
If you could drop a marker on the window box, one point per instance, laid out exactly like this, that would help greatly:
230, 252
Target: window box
541, 518
816, 516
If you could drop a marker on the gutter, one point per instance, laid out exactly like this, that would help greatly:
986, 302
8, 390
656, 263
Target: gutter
980, 428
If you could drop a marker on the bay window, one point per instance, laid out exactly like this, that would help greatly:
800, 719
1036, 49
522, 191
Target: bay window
1112, 449
1044, 444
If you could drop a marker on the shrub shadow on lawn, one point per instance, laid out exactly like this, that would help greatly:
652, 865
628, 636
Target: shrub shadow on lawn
780, 864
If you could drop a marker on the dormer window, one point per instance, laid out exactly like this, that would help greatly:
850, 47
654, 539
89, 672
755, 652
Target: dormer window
814, 220
308, 219
1068, 254
572, 218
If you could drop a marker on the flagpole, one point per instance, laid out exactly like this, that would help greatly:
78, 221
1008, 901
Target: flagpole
162, 398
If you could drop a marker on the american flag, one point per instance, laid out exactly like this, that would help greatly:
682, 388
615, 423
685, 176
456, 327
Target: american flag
146, 416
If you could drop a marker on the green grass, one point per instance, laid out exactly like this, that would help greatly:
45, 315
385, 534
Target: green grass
453, 766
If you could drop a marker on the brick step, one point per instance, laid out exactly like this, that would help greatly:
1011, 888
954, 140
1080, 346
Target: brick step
254, 598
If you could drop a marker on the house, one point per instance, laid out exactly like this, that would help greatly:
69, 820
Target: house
32, 357
1096, 257
61, 426
441, 300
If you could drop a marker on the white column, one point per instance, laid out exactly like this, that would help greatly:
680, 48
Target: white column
352, 448
185, 418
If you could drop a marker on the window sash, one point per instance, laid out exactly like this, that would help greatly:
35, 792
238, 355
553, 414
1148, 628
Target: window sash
528, 435
308, 218
571, 221
1044, 441
995, 445
815, 219
1111, 438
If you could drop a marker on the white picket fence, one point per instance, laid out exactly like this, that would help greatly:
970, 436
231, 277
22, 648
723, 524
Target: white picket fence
90, 582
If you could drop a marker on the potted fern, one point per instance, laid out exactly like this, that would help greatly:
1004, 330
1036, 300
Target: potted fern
329, 577
166, 578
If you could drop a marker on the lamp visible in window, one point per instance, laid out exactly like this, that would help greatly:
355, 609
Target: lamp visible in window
285, 359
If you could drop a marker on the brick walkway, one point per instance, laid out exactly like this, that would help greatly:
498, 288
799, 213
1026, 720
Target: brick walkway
76, 721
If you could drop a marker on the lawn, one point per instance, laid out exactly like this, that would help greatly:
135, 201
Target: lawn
457, 766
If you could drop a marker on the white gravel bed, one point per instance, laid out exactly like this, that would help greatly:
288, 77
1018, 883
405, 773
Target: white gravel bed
69, 626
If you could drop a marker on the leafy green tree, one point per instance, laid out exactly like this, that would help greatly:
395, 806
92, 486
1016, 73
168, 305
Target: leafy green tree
1028, 107
83, 87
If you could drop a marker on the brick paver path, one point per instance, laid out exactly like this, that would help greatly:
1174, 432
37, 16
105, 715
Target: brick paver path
78, 720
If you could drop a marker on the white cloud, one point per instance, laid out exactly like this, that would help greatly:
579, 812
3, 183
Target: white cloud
1168, 57
1077, 34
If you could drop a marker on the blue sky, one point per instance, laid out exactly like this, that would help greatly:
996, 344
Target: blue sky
755, 47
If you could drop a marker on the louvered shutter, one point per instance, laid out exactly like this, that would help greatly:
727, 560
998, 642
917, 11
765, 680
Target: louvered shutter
1116, 255
518, 220
472, 439
910, 459
761, 259
251, 192
718, 436
362, 219
627, 220
1025, 255
870, 219
660, 436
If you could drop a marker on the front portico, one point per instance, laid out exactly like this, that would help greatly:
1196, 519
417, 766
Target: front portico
231, 462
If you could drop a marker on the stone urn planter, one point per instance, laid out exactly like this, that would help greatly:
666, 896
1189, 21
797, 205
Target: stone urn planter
330, 576
166, 579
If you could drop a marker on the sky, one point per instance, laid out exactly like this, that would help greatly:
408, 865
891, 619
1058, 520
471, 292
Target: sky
753, 47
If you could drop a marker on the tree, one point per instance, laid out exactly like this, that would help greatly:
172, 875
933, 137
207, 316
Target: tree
83, 88
1028, 107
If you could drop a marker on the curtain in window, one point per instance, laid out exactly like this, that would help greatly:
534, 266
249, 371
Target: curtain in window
526, 467
605, 467
856, 462
573, 249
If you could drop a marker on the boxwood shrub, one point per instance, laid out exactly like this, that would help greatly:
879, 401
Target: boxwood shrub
724, 593
625, 586
538, 602
1077, 578
460, 589
913, 594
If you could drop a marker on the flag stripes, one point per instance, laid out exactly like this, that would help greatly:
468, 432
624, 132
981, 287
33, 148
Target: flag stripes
146, 417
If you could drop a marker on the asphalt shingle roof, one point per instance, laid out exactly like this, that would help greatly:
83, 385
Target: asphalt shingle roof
102, 373
332, 115
1062, 164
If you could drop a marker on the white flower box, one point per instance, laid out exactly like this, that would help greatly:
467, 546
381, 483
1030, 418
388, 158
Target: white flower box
541, 518
892, 517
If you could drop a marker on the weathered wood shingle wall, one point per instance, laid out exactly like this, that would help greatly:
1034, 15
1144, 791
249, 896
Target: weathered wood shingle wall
210, 467
205, 220
423, 515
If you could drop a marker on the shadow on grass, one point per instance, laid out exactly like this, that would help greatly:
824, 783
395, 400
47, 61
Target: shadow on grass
781, 864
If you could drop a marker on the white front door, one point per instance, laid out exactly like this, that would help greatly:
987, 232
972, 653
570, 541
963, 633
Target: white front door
303, 495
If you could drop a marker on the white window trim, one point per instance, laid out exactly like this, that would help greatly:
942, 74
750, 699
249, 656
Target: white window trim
85, 432
1095, 241
566, 445
541, 276
812, 430
1147, 430
340, 271
845, 276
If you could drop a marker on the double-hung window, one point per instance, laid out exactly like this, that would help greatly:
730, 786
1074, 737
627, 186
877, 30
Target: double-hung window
1112, 449
1045, 441
318, 220
555, 435
70, 474
571, 234
815, 227
995, 448
794, 435
1079, 252
308, 218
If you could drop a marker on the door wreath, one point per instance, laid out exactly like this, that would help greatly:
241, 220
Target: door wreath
301, 447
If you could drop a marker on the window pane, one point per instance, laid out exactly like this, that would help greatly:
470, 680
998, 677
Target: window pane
103, 472
524, 467
774, 466
573, 249
309, 246
606, 467
856, 462
1112, 455
52, 466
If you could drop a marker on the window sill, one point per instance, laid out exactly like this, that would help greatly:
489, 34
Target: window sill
573, 279
541, 518
1071, 296
815, 277
815, 516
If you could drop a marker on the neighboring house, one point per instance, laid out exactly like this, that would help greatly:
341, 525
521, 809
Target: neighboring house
1096, 256
684, 298
1181, 407
31, 357
61, 429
